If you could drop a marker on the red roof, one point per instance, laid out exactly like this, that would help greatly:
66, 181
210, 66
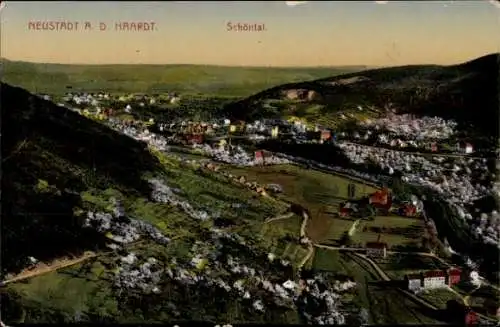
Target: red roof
435, 273
376, 245
454, 271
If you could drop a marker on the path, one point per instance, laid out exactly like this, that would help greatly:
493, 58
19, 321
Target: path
47, 269
352, 230
280, 217
309, 244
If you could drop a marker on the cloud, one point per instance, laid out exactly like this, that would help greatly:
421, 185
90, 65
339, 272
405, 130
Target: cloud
496, 3
381, 2
295, 3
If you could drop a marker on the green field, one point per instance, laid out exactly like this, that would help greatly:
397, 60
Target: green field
319, 192
399, 231
385, 304
439, 297
192, 79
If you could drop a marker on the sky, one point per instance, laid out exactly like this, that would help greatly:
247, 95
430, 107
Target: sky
307, 33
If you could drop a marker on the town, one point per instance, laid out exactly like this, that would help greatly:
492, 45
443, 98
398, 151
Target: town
424, 153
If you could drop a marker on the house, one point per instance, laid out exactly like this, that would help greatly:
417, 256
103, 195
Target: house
464, 147
434, 147
468, 148
376, 249
454, 276
194, 138
381, 200
325, 135
413, 282
408, 210
275, 131
434, 279
259, 156
347, 209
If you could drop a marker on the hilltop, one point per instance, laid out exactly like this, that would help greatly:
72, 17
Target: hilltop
191, 79
467, 92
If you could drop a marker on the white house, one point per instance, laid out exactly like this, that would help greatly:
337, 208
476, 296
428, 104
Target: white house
434, 279
414, 282
376, 249
468, 148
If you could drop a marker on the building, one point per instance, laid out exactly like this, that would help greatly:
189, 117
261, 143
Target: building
259, 156
434, 147
275, 131
434, 279
325, 135
376, 249
346, 209
454, 276
194, 138
381, 200
468, 148
465, 147
414, 282
408, 210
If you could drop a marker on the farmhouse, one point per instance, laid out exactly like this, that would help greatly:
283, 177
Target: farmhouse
414, 282
454, 276
325, 135
259, 156
347, 209
381, 200
408, 210
465, 147
434, 279
376, 249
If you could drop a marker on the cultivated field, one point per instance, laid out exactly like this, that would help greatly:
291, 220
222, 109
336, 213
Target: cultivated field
283, 235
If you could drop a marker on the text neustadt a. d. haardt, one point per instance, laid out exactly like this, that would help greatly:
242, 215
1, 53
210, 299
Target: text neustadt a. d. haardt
133, 26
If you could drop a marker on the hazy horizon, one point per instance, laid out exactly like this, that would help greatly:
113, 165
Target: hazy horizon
311, 35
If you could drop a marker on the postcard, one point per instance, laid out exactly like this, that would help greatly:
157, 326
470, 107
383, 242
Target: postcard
250, 162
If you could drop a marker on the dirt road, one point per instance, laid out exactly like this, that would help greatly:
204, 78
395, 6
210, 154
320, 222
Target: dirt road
47, 269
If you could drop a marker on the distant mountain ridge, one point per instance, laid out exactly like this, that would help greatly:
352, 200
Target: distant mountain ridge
458, 91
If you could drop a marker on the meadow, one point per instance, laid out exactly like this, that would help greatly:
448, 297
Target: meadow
319, 192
